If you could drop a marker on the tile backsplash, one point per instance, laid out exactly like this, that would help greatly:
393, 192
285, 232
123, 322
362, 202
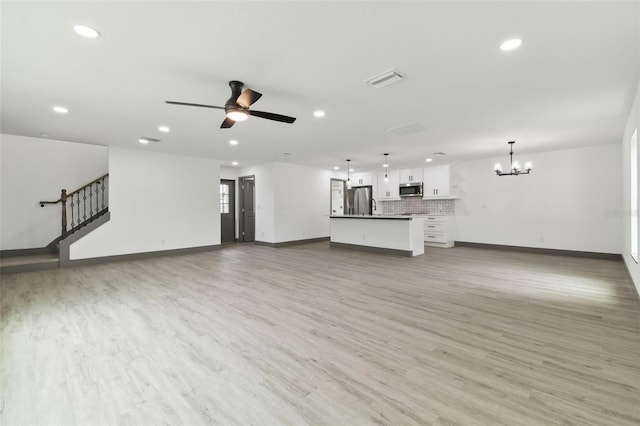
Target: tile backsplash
417, 205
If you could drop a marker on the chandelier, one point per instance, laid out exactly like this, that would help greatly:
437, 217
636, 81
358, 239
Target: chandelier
515, 169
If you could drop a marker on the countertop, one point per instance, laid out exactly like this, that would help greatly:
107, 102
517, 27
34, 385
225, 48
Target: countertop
372, 217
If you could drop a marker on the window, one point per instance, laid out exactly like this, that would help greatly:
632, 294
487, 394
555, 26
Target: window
224, 198
633, 205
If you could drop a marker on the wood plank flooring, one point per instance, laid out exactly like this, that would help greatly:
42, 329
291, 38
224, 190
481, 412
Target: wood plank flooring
252, 335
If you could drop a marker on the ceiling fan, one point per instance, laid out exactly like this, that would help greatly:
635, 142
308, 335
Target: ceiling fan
237, 106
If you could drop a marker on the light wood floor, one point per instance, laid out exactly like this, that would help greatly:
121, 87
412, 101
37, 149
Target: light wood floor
313, 335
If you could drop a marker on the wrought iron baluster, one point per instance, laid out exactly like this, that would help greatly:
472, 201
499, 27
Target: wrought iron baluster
71, 205
90, 201
84, 204
103, 182
97, 197
78, 207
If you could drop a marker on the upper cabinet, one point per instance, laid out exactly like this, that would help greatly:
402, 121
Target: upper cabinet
437, 182
411, 176
361, 179
389, 190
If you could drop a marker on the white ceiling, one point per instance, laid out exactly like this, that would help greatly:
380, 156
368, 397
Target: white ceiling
570, 84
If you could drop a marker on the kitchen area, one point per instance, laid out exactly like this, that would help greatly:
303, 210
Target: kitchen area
396, 211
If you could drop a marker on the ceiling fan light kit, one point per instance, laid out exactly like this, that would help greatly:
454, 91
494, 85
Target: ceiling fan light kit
237, 106
237, 115
515, 169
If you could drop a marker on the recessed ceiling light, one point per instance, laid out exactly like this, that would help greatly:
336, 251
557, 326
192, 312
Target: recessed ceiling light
143, 141
164, 129
85, 31
385, 165
234, 163
351, 170
336, 168
428, 160
233, 142
514, 43
60, 109
318, 113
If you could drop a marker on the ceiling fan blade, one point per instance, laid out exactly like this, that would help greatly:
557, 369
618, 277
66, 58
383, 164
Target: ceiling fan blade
227, 123
195, 105
272, 116
248, 97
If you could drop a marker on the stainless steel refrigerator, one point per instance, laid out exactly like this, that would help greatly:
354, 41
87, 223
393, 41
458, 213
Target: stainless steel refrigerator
359, 200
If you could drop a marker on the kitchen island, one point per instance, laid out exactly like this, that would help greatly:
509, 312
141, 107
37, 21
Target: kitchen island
399, 235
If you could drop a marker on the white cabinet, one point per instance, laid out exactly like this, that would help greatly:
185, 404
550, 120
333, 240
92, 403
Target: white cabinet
438, 231
361, 179
437, 182
389, 190
411, 176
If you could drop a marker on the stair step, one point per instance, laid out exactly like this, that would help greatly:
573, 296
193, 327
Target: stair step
13, 264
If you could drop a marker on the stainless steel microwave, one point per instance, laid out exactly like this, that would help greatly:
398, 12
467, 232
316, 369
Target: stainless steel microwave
411, 190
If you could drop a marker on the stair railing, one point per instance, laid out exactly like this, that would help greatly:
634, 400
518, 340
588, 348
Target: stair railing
74, 204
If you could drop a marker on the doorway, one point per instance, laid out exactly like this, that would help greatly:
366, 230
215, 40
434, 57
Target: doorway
247, 217
227, 211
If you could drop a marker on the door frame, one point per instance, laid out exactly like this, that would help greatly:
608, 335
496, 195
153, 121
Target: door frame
232, 207
240, 193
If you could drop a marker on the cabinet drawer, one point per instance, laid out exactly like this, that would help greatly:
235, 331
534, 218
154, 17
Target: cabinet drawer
435, 238
430, 227
442, 219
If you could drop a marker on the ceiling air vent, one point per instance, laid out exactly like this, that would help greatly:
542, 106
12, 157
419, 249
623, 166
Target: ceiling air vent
145, 139
384, 79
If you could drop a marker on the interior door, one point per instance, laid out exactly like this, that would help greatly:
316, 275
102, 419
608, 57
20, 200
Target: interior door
227, 211
248, 210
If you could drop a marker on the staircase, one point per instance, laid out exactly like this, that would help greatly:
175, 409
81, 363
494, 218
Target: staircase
81, 211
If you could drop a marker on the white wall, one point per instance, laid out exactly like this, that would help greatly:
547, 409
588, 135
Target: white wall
570, 201
34, 169
230, 173
633, 122
292, 201
157, 202
302, 202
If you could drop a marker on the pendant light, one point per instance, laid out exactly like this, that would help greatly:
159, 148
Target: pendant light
386, 167
348, 175
515, 166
